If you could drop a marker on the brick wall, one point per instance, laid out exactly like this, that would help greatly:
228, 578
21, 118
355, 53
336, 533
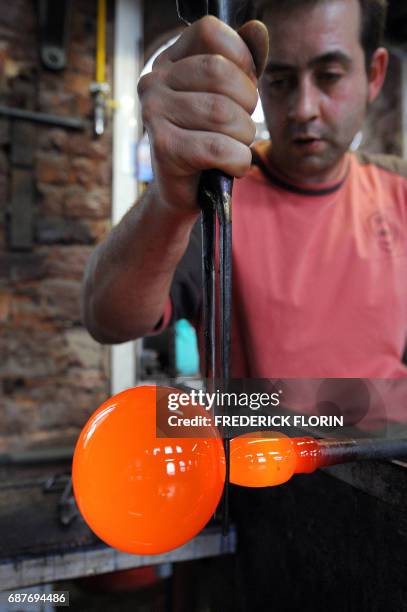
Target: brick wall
52, 374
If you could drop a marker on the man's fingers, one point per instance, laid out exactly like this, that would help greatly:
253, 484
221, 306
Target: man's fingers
196, 105
209, 35
256, 37
199, 151
213, 74
210, 112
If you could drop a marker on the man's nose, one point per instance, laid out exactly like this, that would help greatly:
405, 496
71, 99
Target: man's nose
304, 103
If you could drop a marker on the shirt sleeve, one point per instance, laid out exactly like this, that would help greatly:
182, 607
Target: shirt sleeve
185, 299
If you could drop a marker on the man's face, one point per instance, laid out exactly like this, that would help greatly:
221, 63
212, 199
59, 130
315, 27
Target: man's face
315, 88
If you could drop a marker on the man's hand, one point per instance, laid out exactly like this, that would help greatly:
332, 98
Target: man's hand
196, 105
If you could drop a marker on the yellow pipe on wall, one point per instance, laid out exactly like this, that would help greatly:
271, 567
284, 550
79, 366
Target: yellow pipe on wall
101, 42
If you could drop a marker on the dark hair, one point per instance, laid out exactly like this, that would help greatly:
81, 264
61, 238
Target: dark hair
373, 19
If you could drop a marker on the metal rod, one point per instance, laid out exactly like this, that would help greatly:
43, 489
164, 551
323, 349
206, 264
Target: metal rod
17, 113
208, 224
215, 198
216, 201
101, 42
348, 450
36, 456
224, 208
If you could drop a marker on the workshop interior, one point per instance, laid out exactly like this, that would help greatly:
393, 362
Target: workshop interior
74, 158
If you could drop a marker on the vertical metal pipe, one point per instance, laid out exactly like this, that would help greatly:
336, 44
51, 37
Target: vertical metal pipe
216, 199
101, 42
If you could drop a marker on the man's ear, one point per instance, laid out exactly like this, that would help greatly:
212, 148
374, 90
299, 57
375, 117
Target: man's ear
377, 72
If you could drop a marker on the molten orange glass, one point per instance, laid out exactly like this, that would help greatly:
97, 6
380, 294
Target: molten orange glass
139, 493
271, 458
145, 494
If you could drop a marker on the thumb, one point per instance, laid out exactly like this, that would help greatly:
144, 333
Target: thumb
255, 35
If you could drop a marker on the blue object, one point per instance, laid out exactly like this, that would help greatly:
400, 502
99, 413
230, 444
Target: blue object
186, 349
144, 168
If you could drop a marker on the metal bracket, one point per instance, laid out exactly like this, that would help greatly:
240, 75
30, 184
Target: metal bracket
20, 214
67, 508
100, 93
54, 20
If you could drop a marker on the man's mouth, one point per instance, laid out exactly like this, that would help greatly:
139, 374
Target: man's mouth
306, 138
309, 143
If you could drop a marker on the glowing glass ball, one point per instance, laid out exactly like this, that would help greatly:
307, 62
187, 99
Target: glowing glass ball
141, 493
147, 494
269, 458
265, 460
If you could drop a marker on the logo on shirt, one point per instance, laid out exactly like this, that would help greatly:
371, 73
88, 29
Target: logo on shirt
385, 229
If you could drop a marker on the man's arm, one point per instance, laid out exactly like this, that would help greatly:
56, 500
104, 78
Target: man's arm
128, 276
196, 105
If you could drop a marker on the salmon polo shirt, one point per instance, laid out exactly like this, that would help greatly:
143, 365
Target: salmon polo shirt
319, 273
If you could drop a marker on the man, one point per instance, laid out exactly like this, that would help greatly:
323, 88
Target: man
325, 68
319, 235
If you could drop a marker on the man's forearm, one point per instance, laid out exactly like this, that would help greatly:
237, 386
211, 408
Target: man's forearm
128, 277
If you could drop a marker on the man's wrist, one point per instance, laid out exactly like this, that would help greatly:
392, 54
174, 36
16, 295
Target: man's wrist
178, 214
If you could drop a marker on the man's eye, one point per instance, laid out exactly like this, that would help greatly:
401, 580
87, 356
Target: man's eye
330, 77
279, 83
